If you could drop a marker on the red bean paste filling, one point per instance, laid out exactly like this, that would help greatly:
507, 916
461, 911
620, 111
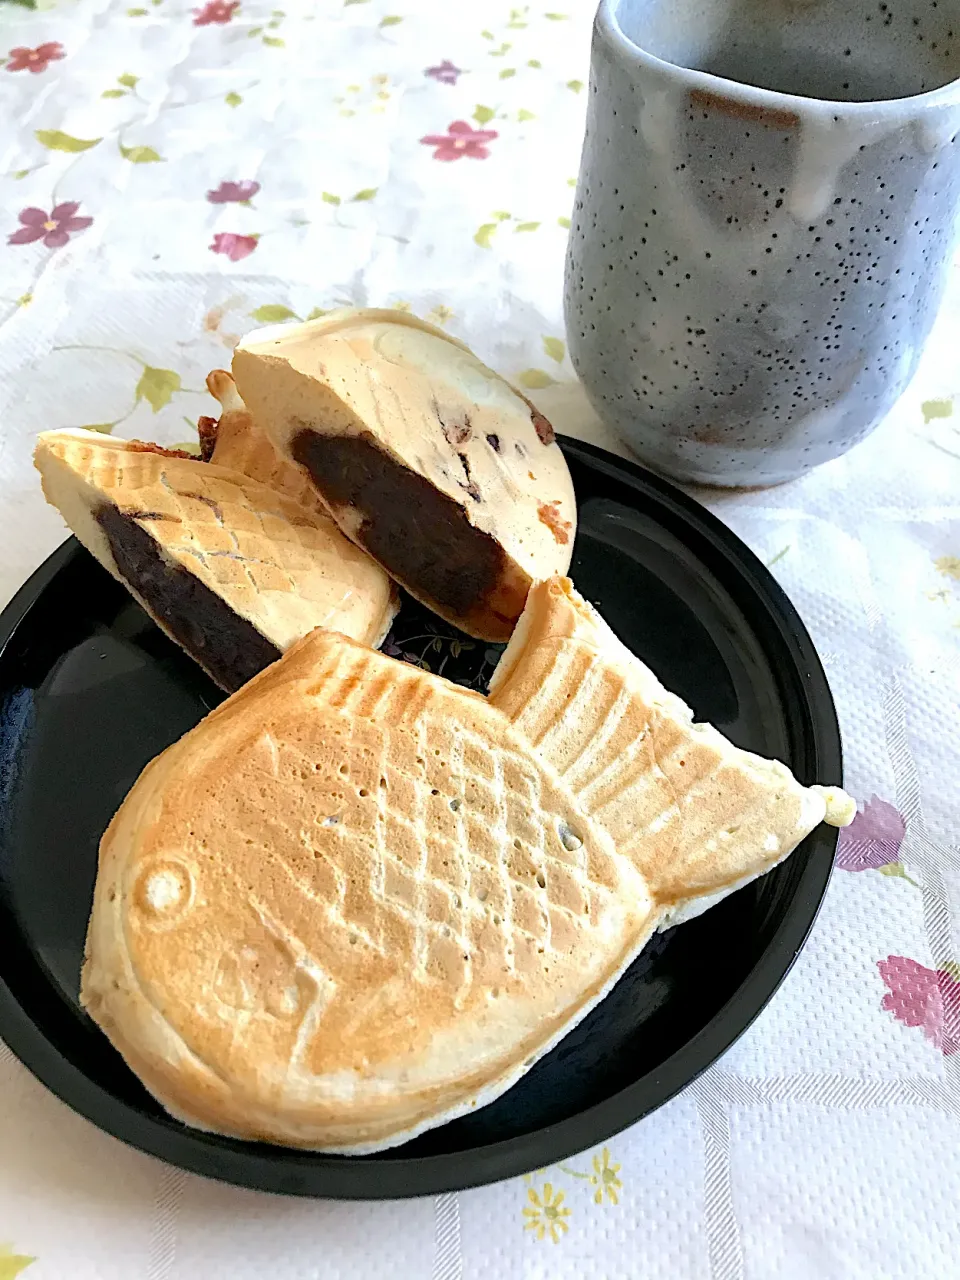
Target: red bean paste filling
228, 647
417, 533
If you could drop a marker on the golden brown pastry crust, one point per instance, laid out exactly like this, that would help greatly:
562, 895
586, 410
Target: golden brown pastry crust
348, 906
423, 455
283, 568
697, 816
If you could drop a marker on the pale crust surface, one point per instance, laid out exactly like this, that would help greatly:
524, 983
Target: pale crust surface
283, 568
431, 406
697, 816
350, 905
242, 446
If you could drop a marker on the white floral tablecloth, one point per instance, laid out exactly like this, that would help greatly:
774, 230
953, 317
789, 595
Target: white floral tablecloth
169, 177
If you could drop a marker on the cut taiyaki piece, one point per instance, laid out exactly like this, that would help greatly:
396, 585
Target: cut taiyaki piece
236, 442
697, 816
426, 458
230, 569
350, 905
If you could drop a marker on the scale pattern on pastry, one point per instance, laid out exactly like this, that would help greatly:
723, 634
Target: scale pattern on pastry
349, 906
698, 816
232, 570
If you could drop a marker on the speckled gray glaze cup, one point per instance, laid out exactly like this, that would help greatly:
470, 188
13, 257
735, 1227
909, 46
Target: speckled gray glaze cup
763, 222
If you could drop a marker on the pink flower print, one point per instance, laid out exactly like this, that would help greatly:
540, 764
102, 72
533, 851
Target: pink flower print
872, 839
461, 139
35, 60
445, 73
235, 247
234, 192
54, 228
220, 11
922, 997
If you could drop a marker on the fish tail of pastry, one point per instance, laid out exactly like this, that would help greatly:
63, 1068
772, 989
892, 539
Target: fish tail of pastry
698, 816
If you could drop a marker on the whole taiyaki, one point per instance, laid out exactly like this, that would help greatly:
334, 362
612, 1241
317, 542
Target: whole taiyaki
349, 905
230, 569
426, 458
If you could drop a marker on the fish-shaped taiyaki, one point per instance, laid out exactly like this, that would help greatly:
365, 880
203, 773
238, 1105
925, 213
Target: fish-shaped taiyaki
349, 905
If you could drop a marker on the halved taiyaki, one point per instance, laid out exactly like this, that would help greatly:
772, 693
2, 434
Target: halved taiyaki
230, 569
696, 815
426, 458
236, 442
349, 905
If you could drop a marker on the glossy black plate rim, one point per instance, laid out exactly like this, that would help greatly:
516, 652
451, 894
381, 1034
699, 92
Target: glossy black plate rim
393, 1175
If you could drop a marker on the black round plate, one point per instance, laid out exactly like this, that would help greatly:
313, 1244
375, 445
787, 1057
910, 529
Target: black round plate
90, 691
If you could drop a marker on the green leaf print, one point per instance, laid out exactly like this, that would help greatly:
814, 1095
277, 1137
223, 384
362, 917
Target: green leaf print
273, 313
555, 349
896, 869
11, 1264
113, 93
56, 140
535, 379
140, 155
128, 81
232, 99
368, 193
526, 226
575, 85
391, 20
523, 114
329, 198
482, 114
563, 222
157, 387
274, 42
936, 409
507, 73
483, 234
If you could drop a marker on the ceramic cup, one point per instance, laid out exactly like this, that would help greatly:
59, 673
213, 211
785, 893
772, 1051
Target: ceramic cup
763, 222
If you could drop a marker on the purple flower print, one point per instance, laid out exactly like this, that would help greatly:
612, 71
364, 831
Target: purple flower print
872, 839
922, 997
54, 228
445, 73
234, 192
